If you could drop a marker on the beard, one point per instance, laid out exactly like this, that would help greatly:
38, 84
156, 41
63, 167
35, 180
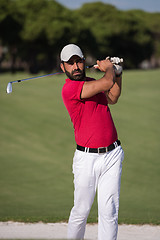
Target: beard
80, 76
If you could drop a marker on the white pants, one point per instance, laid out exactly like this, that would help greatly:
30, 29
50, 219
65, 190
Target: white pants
101, 172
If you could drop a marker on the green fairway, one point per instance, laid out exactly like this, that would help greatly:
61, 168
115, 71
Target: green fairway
37, 146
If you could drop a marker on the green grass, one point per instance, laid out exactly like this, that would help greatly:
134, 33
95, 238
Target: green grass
37, 146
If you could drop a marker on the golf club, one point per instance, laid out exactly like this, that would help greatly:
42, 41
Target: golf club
9, 86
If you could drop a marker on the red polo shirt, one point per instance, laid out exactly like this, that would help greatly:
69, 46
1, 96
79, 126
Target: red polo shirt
91, 117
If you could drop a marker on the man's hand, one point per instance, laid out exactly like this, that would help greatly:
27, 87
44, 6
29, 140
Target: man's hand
118, 70
117, 67
103, 65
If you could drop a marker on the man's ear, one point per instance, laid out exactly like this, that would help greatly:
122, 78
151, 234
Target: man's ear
62, 67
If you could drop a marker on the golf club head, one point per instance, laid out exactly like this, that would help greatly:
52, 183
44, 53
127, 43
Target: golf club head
9, 87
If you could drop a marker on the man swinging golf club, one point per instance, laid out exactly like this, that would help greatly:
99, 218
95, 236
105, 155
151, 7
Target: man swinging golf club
97, 162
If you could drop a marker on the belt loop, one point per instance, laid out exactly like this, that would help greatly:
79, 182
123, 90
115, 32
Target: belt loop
115, 144
86, 149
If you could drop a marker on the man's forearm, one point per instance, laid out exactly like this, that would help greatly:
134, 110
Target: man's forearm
114, 93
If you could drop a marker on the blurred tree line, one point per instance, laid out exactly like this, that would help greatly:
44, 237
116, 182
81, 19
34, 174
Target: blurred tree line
32, 34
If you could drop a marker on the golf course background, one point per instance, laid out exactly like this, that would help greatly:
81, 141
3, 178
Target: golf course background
37, 146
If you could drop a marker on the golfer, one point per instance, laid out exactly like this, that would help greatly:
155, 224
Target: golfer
97, 162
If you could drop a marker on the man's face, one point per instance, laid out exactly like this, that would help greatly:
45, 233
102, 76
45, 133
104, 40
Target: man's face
74, 68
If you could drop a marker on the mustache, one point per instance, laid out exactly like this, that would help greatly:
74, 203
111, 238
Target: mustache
77, 71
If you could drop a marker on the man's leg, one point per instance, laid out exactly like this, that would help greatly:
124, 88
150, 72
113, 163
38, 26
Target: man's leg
108, 195
85, 189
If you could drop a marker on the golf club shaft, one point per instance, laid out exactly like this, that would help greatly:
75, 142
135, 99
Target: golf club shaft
25, 79
47, 75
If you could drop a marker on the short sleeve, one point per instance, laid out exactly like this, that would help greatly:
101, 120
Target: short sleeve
72, 90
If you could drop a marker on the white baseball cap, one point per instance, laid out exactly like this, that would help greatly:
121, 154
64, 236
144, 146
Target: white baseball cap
70, 50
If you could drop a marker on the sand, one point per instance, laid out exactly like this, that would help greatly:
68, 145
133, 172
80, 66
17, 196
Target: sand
16, 230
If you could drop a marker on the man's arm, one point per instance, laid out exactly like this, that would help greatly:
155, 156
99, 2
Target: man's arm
114, 93
103, 84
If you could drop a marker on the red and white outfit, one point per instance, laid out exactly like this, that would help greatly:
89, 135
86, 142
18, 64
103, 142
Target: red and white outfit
93, 128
